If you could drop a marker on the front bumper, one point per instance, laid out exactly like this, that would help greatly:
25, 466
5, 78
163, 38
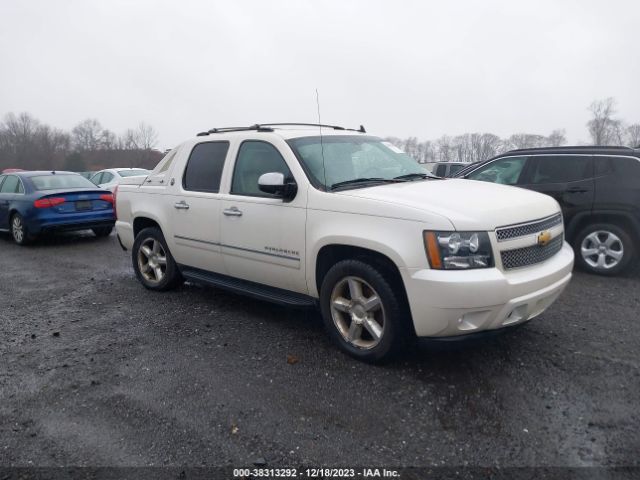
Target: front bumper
446, 303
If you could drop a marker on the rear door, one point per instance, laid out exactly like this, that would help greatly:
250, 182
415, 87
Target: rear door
194, 203
567, 178
10, 190
4, 207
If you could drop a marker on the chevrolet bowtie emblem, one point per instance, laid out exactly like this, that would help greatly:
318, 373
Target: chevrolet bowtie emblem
544, 238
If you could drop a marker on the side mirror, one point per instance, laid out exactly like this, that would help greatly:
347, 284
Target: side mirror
274, 183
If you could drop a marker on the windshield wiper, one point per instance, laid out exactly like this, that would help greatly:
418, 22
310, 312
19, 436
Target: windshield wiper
412, 176
355, 181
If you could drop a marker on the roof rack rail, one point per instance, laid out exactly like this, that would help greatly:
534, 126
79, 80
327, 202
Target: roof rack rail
266, 127
256, 127
295, 124
575, 147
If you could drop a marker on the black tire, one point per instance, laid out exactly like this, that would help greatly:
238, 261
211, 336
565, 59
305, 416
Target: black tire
171, 277
19, 232
394, 312
602, 231
102, 231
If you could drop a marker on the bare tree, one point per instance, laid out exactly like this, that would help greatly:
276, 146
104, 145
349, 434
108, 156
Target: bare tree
87, 135
557, 138
147, 137
603, 127
633, 135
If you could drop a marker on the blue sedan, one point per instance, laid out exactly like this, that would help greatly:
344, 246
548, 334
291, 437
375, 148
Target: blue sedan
35, 203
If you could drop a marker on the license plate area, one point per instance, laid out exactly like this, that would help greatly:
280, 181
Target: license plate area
83, 205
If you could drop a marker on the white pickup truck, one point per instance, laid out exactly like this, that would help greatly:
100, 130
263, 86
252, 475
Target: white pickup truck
335, 218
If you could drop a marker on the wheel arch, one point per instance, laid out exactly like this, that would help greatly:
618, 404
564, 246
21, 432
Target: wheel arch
332, 253
144, 221
620, 219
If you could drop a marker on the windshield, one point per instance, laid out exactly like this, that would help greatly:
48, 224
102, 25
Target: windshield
133, 173
60, 181
343, 158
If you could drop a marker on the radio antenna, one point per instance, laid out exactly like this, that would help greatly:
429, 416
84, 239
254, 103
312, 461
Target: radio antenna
324, 171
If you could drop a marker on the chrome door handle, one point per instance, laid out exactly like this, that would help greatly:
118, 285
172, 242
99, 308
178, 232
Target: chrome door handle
232, 212
181, 205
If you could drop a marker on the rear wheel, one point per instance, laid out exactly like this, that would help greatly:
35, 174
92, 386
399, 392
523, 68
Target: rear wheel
102, 231
153, 263
19, 231
362, 312
604, 249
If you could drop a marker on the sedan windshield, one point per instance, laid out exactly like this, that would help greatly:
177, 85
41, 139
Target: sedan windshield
60, 181
136, 172
351, 161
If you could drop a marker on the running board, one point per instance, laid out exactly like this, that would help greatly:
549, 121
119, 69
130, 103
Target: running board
245, 287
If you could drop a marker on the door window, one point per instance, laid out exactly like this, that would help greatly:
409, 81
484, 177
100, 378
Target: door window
561, 169
97, 178
106, 177
10, 185
254, 159
204, 167
506, 171
441, 170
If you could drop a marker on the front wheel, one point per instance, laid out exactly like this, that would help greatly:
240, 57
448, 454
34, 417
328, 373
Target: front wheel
363, 314
153, 263
604, 249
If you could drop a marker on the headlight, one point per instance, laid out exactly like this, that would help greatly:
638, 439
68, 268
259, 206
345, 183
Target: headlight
458, 250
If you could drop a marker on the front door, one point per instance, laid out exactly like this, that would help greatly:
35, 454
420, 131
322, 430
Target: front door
263, 237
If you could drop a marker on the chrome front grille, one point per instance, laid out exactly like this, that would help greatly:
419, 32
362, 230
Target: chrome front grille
523, 229
521, 257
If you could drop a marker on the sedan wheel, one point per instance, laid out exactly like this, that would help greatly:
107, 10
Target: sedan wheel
152, 260
17, 229
357, 312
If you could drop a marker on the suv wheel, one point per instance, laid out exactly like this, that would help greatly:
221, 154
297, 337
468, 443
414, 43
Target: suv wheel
361, 311
152, 261
604, 249
19, 231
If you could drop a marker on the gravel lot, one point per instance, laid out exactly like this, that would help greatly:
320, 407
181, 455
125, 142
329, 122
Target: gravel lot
96, 370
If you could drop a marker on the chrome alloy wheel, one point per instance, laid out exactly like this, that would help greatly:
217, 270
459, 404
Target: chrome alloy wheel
357, 312
17, 229
152, 260
602, 250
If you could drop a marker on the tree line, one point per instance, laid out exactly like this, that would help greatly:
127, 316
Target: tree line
604, 128
27, 143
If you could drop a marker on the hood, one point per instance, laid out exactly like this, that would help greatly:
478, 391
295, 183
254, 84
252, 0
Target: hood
468, 204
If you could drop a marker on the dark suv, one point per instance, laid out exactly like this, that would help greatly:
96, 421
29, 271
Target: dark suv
598, 189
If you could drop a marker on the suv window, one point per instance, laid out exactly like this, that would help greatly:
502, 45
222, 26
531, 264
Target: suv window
561, 169
441, 170
254, 159
453, 169
204, 167
168, 159
10, 185
506, 171
602, 166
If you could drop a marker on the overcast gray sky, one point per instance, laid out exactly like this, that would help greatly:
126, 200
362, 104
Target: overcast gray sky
402, 68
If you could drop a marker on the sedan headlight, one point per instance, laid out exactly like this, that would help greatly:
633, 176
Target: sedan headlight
458, 250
